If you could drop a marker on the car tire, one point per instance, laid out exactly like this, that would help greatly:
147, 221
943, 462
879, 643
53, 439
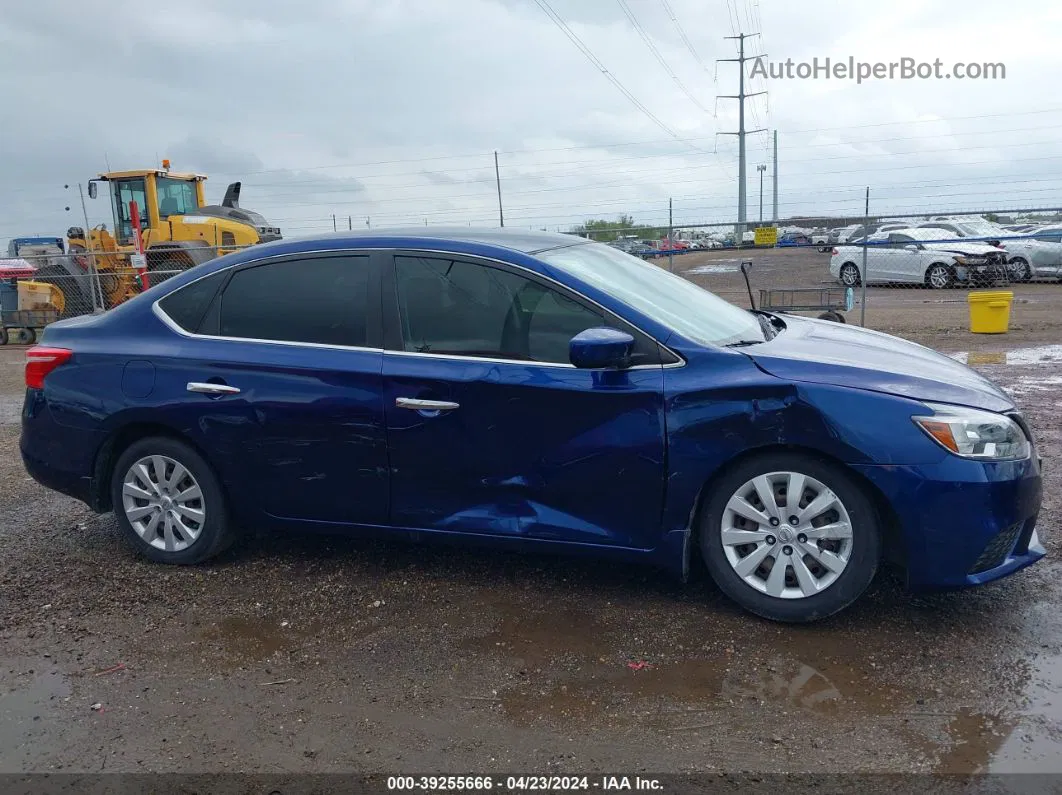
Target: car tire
802, 600
1018, 270
939, 276
834, 317
849, 275
25, 336
176, 536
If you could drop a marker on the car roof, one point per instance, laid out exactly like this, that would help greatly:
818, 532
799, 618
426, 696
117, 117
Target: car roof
526, 241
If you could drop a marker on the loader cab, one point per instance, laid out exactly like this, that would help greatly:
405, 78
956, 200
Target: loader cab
158, 194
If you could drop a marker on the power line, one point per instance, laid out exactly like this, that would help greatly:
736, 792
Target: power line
548, 10
682, 33
656, 53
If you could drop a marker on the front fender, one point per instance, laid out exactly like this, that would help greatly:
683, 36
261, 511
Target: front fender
722, 406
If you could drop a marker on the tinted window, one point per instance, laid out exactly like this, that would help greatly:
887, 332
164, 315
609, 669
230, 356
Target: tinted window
321, 299
187, 306
176, 196
450, 306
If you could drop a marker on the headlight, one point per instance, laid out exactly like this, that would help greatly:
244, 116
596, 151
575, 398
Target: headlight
972, 433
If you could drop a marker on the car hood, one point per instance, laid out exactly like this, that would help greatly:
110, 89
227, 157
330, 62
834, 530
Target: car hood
979, 249
824, 352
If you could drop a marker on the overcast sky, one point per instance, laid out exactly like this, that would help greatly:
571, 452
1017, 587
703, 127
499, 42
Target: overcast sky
390, 110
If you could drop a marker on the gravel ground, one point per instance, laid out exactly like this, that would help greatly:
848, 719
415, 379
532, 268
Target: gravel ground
325, 654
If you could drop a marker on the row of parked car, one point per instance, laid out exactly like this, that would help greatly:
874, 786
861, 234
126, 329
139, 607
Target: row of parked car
944, 252
648, 248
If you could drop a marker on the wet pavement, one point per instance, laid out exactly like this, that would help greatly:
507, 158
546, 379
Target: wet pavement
313, 653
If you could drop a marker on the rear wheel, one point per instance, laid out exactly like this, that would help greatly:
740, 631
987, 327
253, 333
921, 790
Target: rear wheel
169, 503
789, 537
835, 317
939, 276
850, 275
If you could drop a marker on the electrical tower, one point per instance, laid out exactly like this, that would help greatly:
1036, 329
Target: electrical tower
741, 132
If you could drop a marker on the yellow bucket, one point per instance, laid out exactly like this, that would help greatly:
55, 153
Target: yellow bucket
990, 311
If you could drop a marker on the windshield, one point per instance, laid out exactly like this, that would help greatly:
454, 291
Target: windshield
681, 305
981, 228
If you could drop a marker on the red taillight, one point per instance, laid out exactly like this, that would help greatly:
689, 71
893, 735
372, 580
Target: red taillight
834, 252
41, 360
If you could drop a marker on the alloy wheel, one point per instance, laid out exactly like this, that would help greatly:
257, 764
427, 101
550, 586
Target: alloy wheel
786, 535
850, 276
939, 277
163, 503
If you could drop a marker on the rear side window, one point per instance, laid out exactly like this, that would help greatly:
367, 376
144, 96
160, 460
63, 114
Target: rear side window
186, 306
321, 300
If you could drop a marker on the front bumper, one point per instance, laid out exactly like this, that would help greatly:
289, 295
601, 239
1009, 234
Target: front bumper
963, 522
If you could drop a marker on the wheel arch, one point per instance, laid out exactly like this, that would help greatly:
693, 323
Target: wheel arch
117, 442
194, 252
894, 548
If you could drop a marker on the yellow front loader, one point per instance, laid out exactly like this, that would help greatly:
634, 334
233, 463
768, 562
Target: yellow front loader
178, 230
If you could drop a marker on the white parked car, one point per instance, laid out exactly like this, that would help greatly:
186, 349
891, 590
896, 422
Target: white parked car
905, 256
1027, 256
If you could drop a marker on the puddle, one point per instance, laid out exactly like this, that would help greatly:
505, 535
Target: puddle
25, 707
702, 270
539, 638
243, 639
574, 672
1040, 355
1031, 383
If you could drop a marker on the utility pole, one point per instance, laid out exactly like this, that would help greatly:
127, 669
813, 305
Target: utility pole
334, 227
741, 96
670, 238
761, 168
497, 180
774, 173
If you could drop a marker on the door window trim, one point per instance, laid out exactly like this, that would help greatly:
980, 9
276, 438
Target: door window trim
374, 317
391, 309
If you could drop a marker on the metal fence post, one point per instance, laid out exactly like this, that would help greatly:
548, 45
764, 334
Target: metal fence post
94, 272
863, 278
670, 239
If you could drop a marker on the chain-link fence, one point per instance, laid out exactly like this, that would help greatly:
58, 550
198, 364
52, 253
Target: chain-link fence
886, 272
38, 287
901, 273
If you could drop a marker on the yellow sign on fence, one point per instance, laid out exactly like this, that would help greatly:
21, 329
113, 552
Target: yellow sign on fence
766, 235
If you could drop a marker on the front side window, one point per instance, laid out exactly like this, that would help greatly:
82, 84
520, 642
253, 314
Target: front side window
320, 300
123, 192
176, 197
467, 309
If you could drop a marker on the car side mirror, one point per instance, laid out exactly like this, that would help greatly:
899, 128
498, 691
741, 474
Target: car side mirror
601, 348
92, 190
910, 247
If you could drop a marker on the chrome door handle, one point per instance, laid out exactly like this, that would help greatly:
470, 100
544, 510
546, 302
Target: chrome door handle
212, 389
426, 405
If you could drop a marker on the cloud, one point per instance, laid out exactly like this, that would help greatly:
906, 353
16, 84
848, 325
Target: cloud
392, 109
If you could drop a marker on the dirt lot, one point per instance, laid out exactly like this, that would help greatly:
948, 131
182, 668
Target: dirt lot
325, 654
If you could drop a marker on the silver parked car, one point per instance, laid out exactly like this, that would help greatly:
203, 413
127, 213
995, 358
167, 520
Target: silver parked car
910, 256
1027, 256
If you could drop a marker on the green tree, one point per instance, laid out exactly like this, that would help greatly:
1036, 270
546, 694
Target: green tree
609, 229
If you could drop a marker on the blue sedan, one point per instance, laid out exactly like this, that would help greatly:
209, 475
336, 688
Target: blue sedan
532, 391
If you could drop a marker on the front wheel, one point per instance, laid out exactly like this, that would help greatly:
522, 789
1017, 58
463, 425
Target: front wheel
169, 503
850, 275
789, 537
939, 277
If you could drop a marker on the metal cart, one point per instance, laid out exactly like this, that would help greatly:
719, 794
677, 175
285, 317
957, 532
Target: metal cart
830, 302
20, 325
